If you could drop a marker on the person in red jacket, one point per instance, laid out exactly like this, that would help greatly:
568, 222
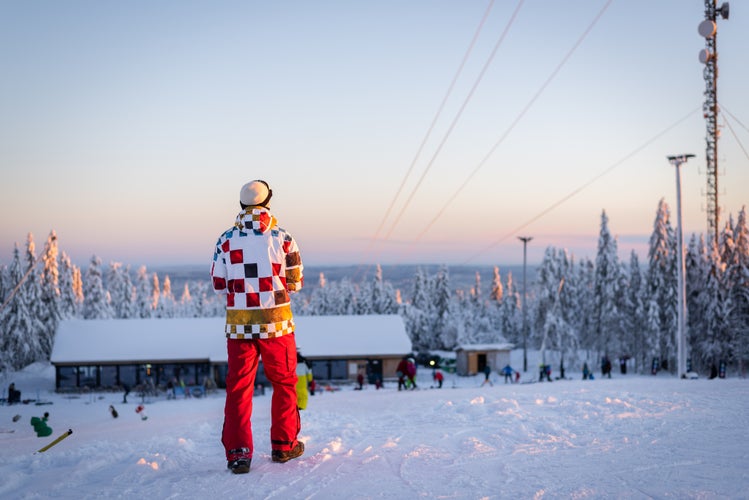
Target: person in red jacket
256, 266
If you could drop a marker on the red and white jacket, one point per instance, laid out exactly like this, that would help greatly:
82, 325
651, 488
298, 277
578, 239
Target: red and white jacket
257, 264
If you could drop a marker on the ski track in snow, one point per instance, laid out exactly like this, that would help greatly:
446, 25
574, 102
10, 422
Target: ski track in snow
629, 437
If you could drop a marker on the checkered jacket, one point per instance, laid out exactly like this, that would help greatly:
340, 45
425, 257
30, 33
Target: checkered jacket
257, 264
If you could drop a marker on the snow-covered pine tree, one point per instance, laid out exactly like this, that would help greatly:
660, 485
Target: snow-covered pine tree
697, 268
547, 284
155, 294
443, 337
185, 305
636, 315
715, 345
586, 306
318, 302
418, 312
383, 295
50, 293
606, 293
662, 284
120, 290
68, 302
143, 296
95, 298
19, 332
737, 275
510, 314
497, 289
166, 303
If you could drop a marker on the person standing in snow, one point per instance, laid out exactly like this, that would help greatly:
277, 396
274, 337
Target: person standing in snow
256, 266
304, 379
439, 378
411, 373
487, 373
402, 372
507, 371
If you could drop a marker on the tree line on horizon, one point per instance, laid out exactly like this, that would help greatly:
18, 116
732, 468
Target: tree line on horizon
595, 307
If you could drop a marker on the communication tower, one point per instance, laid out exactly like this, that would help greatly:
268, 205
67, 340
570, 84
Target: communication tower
709, 57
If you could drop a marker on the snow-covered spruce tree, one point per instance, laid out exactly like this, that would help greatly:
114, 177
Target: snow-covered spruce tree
32, 294
19, 331
586, 307
737, 275
636, 315
493, 305
95, 298
383, 295
201, 303
120, 291
479, 321
556, 302
607, 316
445, 337
317, 305
547, 283
418, 313
697, 269
50, 293
69, 300
155, 294
510, 318
661, 285
715, 344
165, 307
185, 307
143, 300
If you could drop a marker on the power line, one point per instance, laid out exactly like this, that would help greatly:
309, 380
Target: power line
434, 120
728, 123
584, 185
457, 117
515, 122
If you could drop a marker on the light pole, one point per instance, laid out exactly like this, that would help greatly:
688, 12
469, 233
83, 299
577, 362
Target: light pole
681, 340
525, 240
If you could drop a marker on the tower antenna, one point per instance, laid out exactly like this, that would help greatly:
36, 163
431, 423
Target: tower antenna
708, 28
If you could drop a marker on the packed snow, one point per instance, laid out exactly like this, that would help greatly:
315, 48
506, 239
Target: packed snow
631, 436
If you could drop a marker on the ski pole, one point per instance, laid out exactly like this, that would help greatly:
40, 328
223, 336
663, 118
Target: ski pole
50, 445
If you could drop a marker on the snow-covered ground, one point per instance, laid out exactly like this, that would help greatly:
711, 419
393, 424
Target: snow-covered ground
628, 437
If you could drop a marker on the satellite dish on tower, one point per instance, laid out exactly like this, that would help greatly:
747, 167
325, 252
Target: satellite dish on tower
707, 28
723, 10
705, 56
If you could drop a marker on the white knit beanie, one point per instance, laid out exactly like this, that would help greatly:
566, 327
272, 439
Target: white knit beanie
255, 193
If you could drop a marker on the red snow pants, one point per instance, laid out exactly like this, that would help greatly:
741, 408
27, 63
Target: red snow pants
279, 361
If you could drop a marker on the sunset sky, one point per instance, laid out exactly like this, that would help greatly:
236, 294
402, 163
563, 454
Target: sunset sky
129, 127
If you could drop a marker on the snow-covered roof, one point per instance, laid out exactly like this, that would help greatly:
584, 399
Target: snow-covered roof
133, 340
176, 339
485, 347
351, 336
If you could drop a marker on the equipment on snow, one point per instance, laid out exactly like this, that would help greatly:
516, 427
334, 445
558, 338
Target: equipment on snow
141, 410
50, 445
16, 418
40, 425
113, 411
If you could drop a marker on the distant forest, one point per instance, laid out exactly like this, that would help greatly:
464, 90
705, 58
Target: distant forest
602, 307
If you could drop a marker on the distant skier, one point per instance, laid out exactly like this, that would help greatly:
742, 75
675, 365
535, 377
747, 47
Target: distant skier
507, 371
439, 378
402, 372
411, 373
487, 373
